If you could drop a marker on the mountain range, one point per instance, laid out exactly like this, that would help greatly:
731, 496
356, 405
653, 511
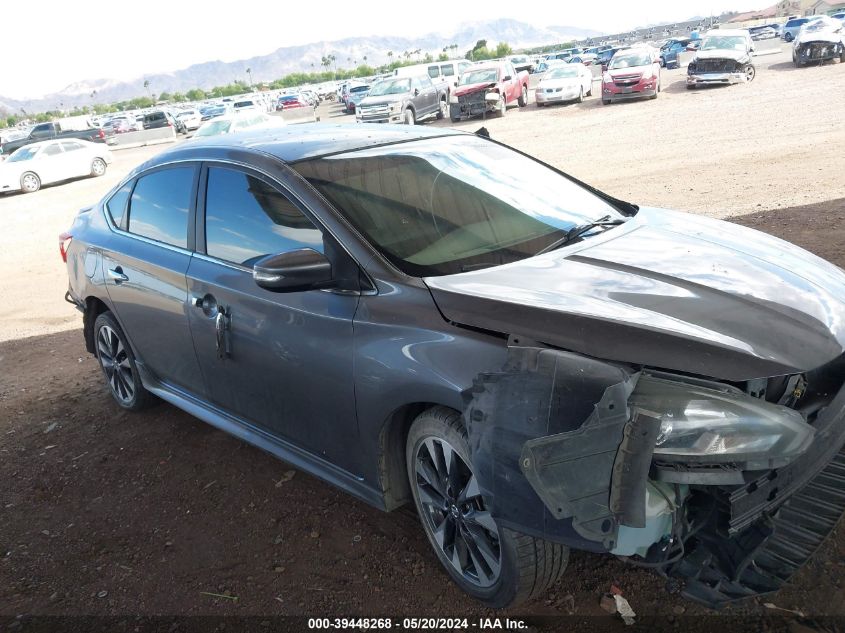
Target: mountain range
303, 58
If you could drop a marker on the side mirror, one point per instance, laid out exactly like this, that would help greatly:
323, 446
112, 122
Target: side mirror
507, 78
416, 92
302, 269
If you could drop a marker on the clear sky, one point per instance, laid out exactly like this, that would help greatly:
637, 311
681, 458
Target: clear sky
49, 44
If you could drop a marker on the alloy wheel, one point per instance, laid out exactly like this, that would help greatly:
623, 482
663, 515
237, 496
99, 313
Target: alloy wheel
114, 359
98, 167
454, 513
30, 183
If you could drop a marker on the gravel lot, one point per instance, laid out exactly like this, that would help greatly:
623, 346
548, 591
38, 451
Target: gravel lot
109, 513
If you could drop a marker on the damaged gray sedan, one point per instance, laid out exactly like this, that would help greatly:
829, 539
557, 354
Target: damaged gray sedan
430, 317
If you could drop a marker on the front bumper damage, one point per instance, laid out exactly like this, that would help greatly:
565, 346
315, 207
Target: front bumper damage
561, 455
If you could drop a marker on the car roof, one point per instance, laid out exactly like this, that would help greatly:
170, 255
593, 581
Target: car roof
311, 140
727, 32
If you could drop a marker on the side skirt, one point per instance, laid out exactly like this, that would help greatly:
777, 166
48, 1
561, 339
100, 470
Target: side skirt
282, 449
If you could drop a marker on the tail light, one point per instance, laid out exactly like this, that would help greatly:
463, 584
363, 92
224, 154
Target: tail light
64, 244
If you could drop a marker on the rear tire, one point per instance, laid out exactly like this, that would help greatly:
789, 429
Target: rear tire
30, 182
523, 567
118, 364
98, 167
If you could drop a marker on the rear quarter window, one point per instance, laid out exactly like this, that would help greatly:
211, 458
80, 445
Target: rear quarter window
116, 205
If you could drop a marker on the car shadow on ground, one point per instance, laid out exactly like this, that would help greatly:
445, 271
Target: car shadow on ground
790, 66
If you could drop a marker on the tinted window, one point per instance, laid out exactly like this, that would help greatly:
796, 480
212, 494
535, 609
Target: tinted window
52, 150
159, 205
433, 71
246, 219
116, 205
447, 70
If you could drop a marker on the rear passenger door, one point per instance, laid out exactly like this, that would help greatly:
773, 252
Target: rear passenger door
285, 360
145, 271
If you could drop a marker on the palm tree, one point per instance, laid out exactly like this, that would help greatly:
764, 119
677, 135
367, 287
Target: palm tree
147, 87
365, 59
390, 56
333, 60
249, 72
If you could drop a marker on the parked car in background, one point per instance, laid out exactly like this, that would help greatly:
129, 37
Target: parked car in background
587, 59
444, 75
791, 28
569, 82
760, 33
670, 50
162, 118
427, 317
545, 66
291, 102
238, 122
819, 40
48, 131
490, 87
246, 104
212, 111
121, 125
30, 167
354, 97
631, 74
403, 100
605, 56
724, 58
522, 62
191, 118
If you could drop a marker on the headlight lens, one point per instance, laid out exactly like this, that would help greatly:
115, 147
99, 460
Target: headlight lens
453, 99
718, 425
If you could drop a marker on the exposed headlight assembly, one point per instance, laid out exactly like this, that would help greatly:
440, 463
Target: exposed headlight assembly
719, 424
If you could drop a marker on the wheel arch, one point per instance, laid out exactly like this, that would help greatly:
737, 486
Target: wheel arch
94, 307
393, 473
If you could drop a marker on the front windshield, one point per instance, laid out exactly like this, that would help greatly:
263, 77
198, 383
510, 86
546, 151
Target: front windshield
721, 42
452, 204
24, 153
213, 128
630, 60
488, 76
391, 87
562, 73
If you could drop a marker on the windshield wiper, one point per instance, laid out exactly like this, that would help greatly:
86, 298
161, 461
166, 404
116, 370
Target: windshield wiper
577, 231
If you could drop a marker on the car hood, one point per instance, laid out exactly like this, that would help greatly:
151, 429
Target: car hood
666, 290
470, 88
627, 72
383, 99
565, 82
721, 53
819, 36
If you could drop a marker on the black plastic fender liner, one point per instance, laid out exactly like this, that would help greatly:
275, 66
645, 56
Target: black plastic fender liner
544, 434
631, 468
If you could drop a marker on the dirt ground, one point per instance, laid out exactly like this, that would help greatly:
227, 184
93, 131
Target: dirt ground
103, 512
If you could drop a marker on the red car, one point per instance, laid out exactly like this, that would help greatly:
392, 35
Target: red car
631, 74
488, 88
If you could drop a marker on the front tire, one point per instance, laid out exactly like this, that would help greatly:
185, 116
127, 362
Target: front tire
118, 364
750, 73
443, 108
409, 118
580, 98
502, 109
98, 167
523, 98
495, 565
30, 182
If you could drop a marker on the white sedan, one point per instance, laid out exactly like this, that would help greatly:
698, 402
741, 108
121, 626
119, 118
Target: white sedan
238, 122
31, 166
191, 118
569, 82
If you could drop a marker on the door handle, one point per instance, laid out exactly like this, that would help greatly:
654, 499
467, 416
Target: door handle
116, 274
222, 327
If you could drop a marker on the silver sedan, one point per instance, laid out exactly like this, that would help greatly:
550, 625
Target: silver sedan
571, 82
